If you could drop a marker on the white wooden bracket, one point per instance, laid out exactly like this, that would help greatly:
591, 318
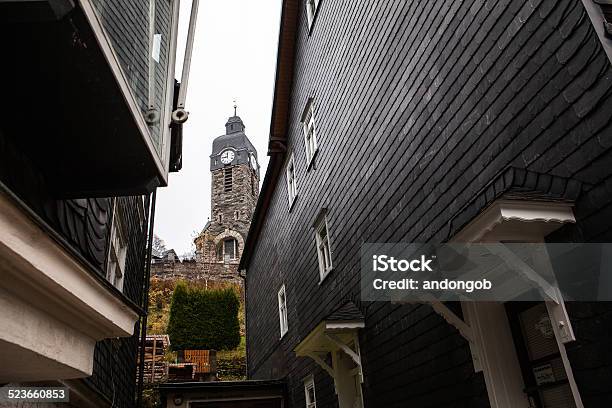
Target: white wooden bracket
462, 327
554, 303
355, 355
315, 356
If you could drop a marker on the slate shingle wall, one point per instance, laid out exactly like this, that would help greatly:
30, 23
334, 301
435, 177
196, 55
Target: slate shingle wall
114, 373
85, 225
127, 25
419, 106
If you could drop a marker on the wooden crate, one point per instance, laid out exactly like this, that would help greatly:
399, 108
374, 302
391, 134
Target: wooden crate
205, 360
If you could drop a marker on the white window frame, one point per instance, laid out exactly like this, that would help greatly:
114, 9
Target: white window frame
311, 11
309, 130
282, 311
290, 174
117, 254
308, 384
324, 252
220, 250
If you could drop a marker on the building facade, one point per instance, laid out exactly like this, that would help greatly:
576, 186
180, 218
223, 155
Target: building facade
427, 122
86, 137
234, 190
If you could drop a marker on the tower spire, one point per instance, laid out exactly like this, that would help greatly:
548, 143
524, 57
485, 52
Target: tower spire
235, 106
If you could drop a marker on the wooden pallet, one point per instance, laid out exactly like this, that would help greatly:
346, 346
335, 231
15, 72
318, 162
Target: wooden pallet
205, 360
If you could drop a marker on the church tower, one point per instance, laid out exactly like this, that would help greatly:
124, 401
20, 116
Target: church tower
235, 187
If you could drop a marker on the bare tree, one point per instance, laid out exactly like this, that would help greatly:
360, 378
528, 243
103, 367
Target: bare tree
159, 246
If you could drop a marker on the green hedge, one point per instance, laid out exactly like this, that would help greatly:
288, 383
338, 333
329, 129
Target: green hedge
203, 319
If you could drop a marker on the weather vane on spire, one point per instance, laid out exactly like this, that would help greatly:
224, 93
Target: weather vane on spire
235, 106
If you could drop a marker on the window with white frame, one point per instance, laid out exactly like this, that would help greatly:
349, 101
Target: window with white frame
115, 269
311, 10
291, 181
310, 135
323, 246
309, 391
282, 310
227, 250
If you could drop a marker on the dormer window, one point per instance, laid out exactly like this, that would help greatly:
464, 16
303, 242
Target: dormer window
310, 135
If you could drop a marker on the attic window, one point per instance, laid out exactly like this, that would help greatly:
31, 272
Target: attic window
227, 179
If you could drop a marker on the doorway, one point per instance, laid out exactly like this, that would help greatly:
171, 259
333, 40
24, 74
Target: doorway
541, 362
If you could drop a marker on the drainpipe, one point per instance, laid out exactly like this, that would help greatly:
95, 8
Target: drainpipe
145, 300
242, 274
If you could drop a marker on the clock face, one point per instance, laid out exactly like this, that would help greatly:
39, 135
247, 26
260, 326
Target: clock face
227, 156
253, 162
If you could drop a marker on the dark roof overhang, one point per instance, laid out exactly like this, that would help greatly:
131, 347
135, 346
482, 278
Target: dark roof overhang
277, 145
517, 184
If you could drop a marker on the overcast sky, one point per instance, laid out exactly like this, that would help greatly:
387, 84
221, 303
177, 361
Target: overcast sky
234, 56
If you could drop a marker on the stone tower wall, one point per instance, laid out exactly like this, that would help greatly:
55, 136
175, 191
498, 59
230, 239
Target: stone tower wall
242, 198
231, 213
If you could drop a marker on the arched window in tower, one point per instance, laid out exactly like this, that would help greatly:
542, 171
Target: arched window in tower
227, 250
227, 179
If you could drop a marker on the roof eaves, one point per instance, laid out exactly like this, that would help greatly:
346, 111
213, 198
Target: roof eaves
277, 145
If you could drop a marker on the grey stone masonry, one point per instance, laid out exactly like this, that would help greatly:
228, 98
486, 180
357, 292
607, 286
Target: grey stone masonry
234, 192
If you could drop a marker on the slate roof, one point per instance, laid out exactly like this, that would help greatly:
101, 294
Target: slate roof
346, 312
234, 138
516, 183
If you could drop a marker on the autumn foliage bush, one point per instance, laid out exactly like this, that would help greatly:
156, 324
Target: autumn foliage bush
203, 319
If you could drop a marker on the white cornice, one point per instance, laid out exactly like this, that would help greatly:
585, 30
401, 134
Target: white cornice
517, 220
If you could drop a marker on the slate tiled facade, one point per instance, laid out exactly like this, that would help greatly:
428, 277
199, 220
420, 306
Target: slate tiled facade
89, 92
425, 114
